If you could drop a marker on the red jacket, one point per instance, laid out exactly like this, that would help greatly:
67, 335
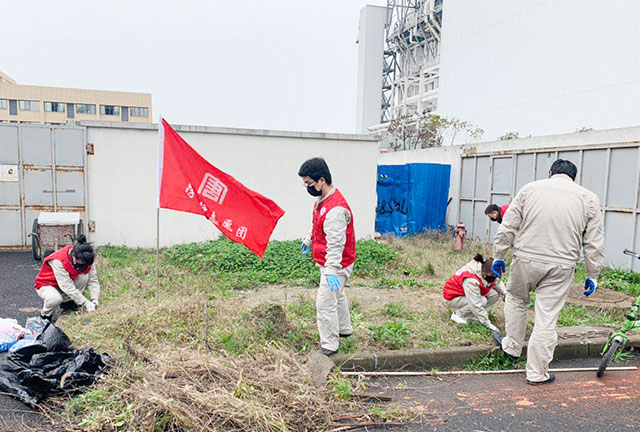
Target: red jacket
46, 276
453, 287
319, 237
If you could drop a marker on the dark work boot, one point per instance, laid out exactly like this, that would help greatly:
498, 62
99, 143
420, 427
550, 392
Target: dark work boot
345, 335
549, 380
327, 352
497, 337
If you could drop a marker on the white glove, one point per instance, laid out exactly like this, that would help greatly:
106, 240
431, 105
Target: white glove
492, 327
90, 306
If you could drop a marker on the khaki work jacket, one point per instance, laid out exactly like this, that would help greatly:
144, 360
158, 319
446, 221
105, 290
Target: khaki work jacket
551, 221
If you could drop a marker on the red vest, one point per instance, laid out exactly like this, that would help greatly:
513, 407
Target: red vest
453, 287
319, 237
46, 276
503, 210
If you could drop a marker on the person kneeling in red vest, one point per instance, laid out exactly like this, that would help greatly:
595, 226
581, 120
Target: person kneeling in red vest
332, 245
64, 276
471, 292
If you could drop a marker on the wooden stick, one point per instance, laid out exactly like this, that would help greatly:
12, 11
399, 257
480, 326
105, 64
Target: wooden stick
487, 372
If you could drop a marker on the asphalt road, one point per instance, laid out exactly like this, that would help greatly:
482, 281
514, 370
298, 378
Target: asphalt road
19, 301
575, 402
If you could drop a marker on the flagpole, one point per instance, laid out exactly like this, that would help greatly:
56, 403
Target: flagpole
158, 251
160, 166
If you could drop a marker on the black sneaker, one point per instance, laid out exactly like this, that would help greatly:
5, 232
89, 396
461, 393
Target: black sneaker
549, 380
327, 352
497, 338
345, 335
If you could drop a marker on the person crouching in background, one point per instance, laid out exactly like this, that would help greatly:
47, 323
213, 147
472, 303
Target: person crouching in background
471, 292
64, 276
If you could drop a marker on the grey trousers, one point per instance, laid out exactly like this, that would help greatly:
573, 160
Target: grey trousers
461, 304
332, 311
53, 296
551, 283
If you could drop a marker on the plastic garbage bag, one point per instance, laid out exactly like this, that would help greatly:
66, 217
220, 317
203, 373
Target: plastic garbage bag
10, 333
23, 343
49, 367
35, 325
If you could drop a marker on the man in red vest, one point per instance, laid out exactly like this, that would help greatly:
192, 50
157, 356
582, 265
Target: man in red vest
496, 213
332, 244
64, 275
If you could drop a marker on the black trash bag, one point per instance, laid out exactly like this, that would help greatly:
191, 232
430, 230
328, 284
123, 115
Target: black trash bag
54, 339
50, 367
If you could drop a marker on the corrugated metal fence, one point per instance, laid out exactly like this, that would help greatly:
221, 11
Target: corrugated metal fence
611, 171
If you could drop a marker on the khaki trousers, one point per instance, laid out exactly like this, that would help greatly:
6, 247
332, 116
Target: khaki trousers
332, 311
461, 306
551, 283
53, 296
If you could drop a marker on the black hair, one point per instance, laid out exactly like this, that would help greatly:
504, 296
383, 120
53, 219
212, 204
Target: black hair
486, 264
491, 208
83, 250
563, 166
315, 168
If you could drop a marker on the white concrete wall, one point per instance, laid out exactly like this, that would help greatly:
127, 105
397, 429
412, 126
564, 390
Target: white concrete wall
452, 154
540, 67
122, 179
370, 56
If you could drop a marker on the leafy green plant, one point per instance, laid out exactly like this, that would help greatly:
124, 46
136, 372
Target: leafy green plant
392, 334
342, 388
495, 360
395, 310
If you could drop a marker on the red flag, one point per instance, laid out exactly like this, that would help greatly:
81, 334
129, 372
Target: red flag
188, 183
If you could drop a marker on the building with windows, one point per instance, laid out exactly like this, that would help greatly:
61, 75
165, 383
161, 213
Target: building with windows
52, 105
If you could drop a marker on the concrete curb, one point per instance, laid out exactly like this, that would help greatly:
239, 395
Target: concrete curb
573, 348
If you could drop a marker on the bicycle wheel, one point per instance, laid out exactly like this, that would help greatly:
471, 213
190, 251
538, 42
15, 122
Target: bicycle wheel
608, 356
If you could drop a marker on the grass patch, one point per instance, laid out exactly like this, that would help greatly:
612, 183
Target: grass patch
574, 315
392, 334
233, 266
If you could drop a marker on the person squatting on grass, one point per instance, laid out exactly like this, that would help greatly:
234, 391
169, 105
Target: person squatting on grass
471, 292
332, 244
64, 275
548, 224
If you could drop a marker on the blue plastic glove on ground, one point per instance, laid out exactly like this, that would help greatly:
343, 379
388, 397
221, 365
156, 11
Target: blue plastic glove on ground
590, 286
498, 268
305, 249
334, 282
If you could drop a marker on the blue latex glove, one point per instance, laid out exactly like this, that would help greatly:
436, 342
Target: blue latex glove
334, 282
590, 286
305, 249
498, 268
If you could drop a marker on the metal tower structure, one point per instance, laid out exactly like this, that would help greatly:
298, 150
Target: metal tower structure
411, 66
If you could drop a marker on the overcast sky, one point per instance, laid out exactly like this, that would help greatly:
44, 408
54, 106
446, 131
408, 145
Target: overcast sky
280, 64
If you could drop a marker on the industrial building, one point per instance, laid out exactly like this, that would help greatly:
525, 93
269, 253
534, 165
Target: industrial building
398, 60
530, 67
52, 105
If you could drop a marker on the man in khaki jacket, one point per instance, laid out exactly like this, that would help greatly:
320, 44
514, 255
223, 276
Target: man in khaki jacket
548, 223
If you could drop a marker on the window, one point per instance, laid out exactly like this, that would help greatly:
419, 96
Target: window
139, 112
85, 108
54, 106
109, 110
3, 104
29, 105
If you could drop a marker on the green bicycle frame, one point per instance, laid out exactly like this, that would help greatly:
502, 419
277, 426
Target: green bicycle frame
632, 322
